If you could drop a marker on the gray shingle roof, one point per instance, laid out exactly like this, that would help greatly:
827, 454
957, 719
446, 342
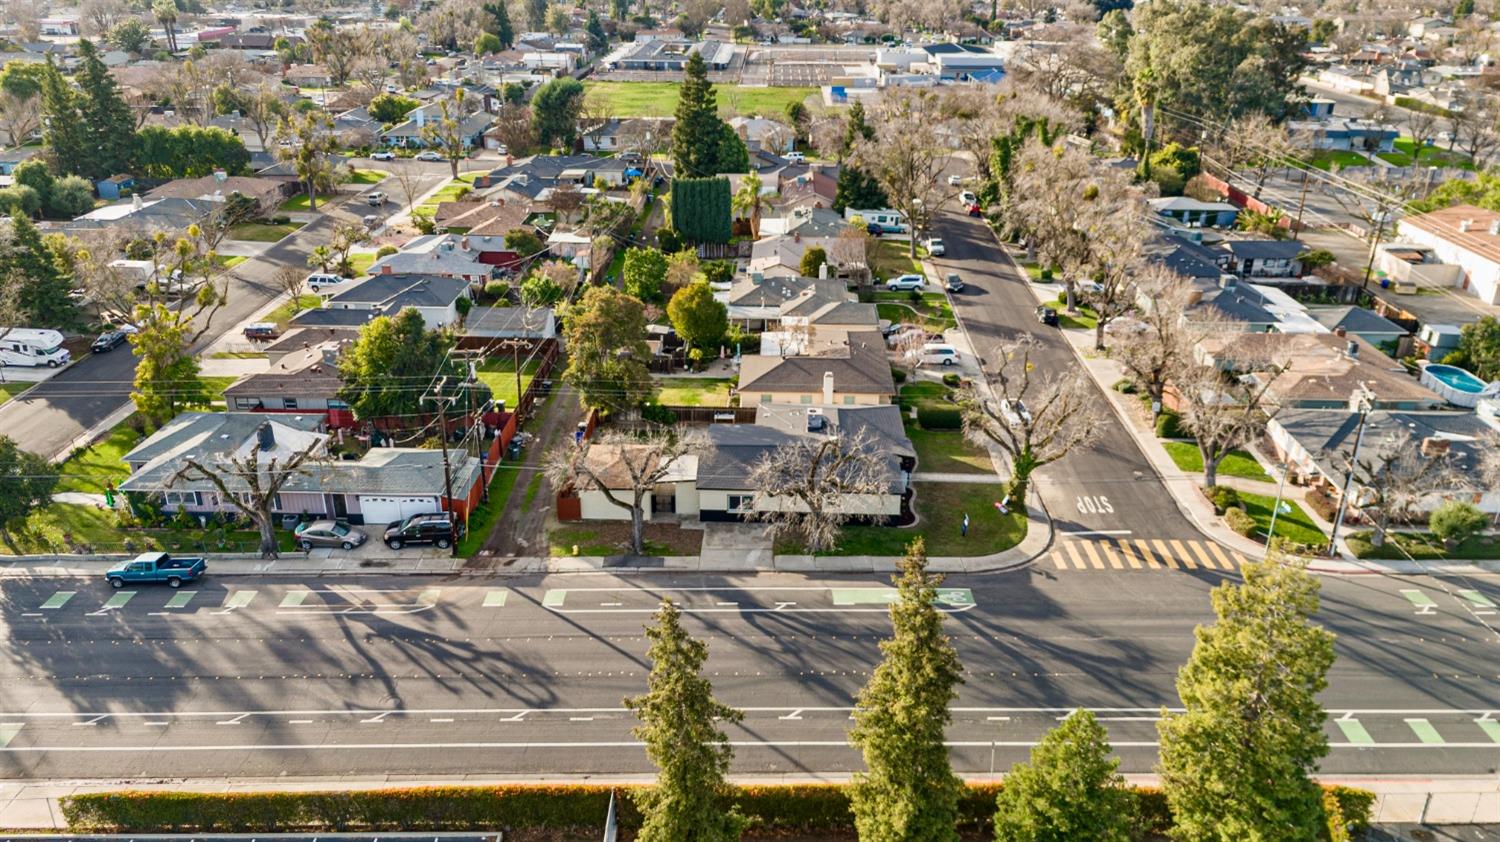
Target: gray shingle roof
396, 291
860, 367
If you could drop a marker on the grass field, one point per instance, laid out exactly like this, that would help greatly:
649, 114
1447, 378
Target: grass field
941, 507
659, 99
89, 469
261, 232
935, 313
361, 261
1237, 464
482, 519
1294, 525
216, 387
10, 390
891, 259
613, 538
1084, 319
499, 374
947, 452
693, 391
299, 202
1431, 156
1423, 546
450, 192
284, 313
368, 176
232, 261
1327, 159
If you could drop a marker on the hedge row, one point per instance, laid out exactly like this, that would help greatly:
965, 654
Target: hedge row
939, 416
808, 808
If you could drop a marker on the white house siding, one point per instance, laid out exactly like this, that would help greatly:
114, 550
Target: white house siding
751, 398
714, 500
593, 505
1483, 274
687, 499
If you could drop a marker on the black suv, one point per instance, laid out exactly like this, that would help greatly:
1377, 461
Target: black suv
435, 528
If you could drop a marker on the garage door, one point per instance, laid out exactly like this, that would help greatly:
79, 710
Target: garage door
391, 509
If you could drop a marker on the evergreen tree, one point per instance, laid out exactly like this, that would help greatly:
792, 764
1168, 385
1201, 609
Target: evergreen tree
857, 188
598, 38
536, 15
167, 378
499, 24
702, 144
26, 484
62, 130
554, 111
1071, 789
909, 791
679, 725
108, 124
42, 295
619, 9
1235, 763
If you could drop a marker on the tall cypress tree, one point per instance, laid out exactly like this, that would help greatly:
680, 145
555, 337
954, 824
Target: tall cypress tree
679, 725
1235, 764
856, 188
700, 145
62, 130
109, 127
42, 294
909, 791
500, 25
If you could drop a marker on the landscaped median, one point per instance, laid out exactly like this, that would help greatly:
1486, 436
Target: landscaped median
548, 812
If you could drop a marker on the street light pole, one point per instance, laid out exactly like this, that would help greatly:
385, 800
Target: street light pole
1366, 403
1286, 468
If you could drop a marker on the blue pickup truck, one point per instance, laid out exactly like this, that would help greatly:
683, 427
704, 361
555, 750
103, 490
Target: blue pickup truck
156, 567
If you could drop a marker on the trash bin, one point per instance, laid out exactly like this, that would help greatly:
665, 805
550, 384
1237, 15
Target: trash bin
514, 451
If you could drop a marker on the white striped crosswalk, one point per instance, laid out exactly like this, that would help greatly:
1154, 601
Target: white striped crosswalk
1142, 554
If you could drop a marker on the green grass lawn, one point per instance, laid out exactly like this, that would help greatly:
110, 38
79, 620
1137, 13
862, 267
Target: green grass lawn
1034, 272
1327, 159
1423, 546
935, 313
499, 374
659, 99
1294, 525
97, 529
922, 391
1406, 154
693, 391
10, 390
1084, 319
237, 355
232, 261
284, 313
450, 192
299, 202
262, 232
612, 537
890, 260
947, 452
361, 261
216, 387
88, 470
482, 519
368, 176
940, 508
1237, 464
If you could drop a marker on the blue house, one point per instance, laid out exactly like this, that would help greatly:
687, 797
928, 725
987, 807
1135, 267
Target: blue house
12, 158
1195, 214
115, 187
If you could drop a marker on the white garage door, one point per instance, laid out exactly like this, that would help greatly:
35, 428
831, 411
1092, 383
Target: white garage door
378, 510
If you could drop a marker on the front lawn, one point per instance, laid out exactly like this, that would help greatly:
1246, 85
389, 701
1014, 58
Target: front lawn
216, 387
941, 507
934, 313
1293, 525
262, 232
10, 390
693, 391
1237, 464
232, 260
613, 538
1423, 546
87, 470
299, 202
1327, 159
890, 259
283, 314
1405, 155
361, 261
947, 452
1084, 319
367, 176
499, 374
659, 99
450, 192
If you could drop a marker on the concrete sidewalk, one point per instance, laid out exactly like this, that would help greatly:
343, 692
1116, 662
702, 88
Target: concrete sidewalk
35, 806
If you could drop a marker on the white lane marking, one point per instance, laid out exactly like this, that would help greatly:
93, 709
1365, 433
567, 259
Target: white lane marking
516, 718
375, 720
726, 604
610, 604
299, 721
234, 721
580, 719
156, 724
997, 718
442, 719
1098, 532
94, 721
796, 714
32, 614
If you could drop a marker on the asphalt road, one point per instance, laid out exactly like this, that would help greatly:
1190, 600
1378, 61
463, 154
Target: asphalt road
51, 417
418, 676
1110, 488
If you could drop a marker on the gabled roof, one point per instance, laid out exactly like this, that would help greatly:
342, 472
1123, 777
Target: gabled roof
1328, 435
397, 291
858, 365
1354, 320
1264, 249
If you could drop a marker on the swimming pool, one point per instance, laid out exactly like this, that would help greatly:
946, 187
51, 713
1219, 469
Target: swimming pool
1456, 378
1457, 386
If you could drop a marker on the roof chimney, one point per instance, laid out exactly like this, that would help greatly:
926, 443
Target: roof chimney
1340, 332
265, 436
1495, 226
828, 388
464, 243
1433, 447
136, 203
1464, 225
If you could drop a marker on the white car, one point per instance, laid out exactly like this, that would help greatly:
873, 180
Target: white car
934, 246
317, 281
1091, 287
902, 283
968, 198
383, 156
1015, 413
795, 157
937, 353
429, 155
955, 180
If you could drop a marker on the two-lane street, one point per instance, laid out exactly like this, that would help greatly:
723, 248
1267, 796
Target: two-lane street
413, 676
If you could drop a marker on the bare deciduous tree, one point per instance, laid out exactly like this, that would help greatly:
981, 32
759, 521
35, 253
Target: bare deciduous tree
1393, 477
812, 485
251, 478
1164, 340
625, 469
1036, 417
291, 280
409, 182
908, 157
565, 200
1224, 406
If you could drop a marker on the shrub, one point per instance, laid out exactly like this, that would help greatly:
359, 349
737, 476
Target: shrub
1239, 521
1455, 521
1046, 273
1223, 498
386, 251
1169, 426
936, 416
1354, 806
668, 240
1125, 386
498, 290
281, 219
898, 375
951, 380
657, 414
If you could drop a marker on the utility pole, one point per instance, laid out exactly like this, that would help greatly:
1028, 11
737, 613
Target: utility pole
443, 402
1301, 203
1366, 404
515, 346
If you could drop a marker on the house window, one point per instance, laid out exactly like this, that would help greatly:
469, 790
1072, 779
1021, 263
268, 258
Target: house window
288, 403
246, 403
740, 502
180, 498
848, 400
765, 398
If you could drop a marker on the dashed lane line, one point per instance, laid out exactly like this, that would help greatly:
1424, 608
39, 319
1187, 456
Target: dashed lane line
294, 599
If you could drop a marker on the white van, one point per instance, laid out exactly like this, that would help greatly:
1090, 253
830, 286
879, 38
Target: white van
317, 280
33, 347
938, 353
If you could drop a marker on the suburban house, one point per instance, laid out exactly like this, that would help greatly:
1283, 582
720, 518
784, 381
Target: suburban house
713, 484
1192, 260
267, 193
1318, 370
758, 302
448, 255
671, 55
487, 325
1264, 258
143, 217
465, 216
306, 380
307, 76
10, 158
1357, 321
409, 133
1466, 236
434, 296
115, 187
847, 369
615, 135
1193, 213
1318, 446
782, 254
1339, 133
384, 485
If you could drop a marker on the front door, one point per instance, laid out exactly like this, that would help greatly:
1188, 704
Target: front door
340, 507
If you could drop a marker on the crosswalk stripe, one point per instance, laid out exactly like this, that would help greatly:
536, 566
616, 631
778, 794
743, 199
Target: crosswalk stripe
1077, 557
1057, 557
1114, 561
181, 599
1355, 732
1424, 731
1203, 557
1088, 550
1166, 555
294, 599
239, 599
1491, 728
119, 599
1219, 554
8, 732
1183, 556
1133, 558
58, 600
1143, 547
495, 599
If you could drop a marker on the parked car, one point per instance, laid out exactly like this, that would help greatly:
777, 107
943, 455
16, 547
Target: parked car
795, 157
385, 155
1015, 413
955, 180
906, 282
874, 230
968, 197
262, 331
328, 533
156, 567
318, 280
376, 199
1091, 287
1047, 316
975, 210
953, 283
371, 221
108, 340
435, 528
905, 334
938, 353
935, 247
429, 155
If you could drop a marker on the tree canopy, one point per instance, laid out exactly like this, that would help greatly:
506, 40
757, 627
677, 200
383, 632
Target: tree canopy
395, 358
607, 351
697, 316
1070, 789
702, 144
554, 111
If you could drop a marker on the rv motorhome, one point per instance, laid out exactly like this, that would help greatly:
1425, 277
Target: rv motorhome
32, 347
